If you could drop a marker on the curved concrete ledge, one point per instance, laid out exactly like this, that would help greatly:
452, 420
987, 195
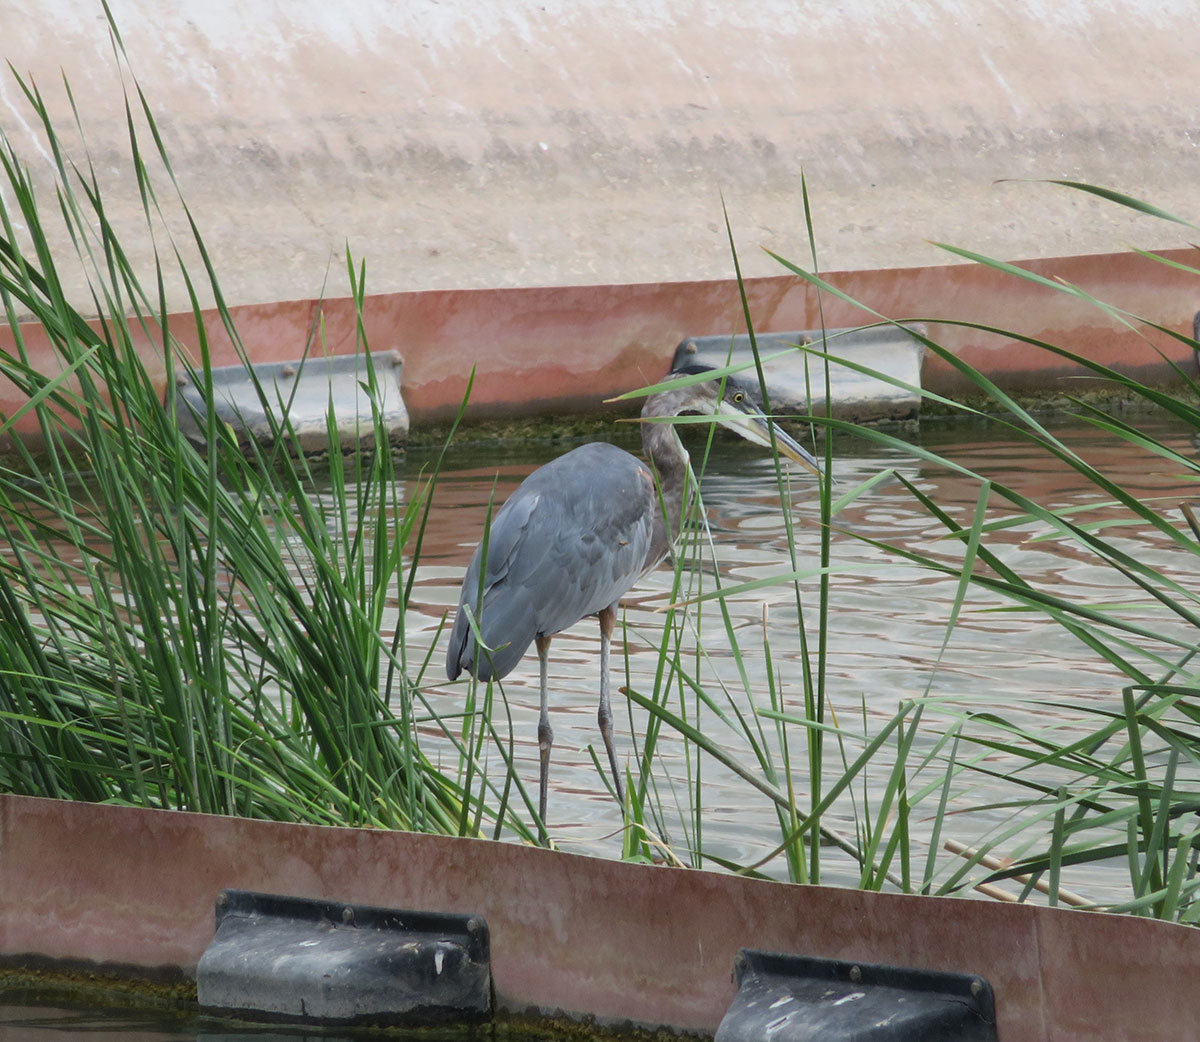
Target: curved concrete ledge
587, 937
525, 142
565, 349
588, 146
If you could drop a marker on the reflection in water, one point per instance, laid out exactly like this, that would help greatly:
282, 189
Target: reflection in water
23, 1019
32, 1022
30, 1017
887, 633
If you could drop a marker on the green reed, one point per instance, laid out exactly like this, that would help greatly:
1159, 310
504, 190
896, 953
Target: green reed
212, 636
1119, 789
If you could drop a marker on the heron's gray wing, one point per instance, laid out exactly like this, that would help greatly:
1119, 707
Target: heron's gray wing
504, 540
567, 543
597, 527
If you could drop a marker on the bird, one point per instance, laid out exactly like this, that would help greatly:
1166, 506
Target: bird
581, 530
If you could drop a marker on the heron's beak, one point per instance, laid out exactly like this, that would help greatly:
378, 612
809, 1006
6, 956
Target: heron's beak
749, 421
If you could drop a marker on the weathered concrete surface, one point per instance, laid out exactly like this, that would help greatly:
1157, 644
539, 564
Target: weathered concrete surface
539, 350
491, 143
583, 935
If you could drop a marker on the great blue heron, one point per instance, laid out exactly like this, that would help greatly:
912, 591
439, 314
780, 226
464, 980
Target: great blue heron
579, 532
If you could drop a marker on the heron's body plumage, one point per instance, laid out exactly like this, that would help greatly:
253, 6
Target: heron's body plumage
576, 535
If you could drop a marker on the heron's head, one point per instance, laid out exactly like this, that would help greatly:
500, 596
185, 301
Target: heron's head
733, 403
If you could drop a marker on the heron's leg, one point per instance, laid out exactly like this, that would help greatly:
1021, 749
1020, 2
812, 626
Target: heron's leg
608, 621
545, 732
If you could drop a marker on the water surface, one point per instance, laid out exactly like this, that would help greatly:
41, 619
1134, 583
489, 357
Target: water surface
888, 635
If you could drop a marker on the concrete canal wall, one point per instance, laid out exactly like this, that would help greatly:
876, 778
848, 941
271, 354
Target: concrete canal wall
132, 895
503, 143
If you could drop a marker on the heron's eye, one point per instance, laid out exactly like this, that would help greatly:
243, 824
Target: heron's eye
738, 398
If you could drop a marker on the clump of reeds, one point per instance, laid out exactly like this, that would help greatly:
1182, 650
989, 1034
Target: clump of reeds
194, 626
1118, 788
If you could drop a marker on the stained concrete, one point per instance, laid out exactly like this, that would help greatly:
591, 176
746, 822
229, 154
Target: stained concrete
499, 143
623, 943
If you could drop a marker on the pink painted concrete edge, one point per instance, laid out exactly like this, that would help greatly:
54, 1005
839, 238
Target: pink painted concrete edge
541, 350
622, 942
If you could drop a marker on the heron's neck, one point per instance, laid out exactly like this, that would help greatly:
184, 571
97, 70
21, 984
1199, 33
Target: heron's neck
669, 458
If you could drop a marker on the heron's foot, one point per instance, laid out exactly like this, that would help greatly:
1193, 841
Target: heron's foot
606, 732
